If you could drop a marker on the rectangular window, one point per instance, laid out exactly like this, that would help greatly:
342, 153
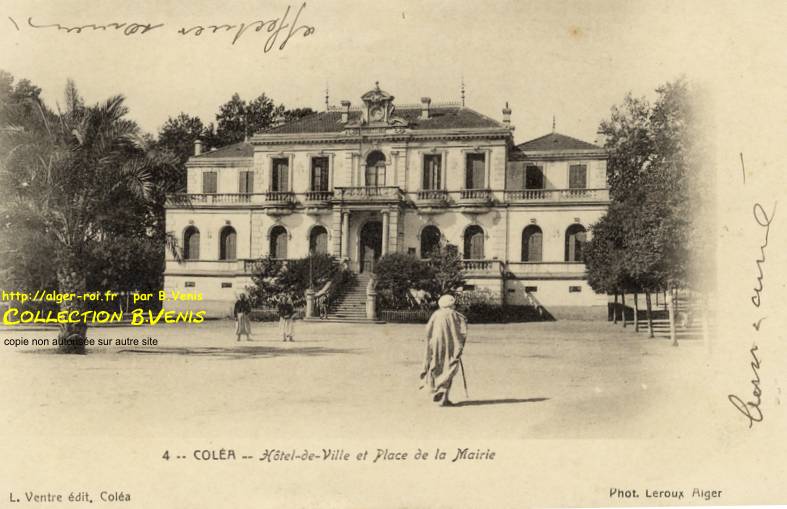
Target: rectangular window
531, 289
246, 182
226, 285
280, 174
189, 284
432, 172
534, 177
578, 176
319, 174
574, 289
475, 177
209, 185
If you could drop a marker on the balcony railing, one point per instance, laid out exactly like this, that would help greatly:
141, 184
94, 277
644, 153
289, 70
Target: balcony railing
319, 196
545, 268
557, 195
388, 194
485, 266
280, 197
475, 195
432, 195
186, 199
368, 193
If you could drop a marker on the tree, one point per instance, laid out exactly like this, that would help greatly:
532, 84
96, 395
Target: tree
650, 221
447, 270
178, 135
237, 120
81, 179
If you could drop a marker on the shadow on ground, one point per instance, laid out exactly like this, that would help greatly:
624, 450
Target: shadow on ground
244, 352
504, 401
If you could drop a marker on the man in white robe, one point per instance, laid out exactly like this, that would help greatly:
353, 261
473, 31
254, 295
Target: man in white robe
445, 339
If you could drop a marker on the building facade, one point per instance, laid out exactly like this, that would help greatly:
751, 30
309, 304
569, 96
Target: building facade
362, 181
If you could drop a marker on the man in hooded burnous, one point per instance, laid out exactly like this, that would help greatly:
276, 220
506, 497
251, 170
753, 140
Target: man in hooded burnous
445, 339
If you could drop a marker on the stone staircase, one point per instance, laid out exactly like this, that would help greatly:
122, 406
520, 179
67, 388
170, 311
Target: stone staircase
349, 305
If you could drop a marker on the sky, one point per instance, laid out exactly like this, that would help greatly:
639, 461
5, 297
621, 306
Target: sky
570, 60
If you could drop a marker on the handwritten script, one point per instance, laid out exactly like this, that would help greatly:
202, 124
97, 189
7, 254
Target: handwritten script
751, 408
277, 31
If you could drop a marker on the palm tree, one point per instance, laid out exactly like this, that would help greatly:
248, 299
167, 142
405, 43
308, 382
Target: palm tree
70, 171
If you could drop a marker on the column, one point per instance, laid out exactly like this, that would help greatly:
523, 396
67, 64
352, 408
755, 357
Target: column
386, 232
346, 234
336, 233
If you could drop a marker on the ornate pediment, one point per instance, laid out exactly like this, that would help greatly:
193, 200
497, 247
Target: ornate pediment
378, 106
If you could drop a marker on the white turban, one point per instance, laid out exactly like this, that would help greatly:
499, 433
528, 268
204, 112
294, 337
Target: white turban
446, 301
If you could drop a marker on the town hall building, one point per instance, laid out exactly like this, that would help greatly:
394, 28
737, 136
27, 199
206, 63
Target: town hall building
359, 181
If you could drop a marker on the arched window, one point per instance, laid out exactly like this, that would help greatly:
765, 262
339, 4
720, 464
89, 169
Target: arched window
576, 237
375, 169
191, 243
474, 243
430, 240
278, 245
227, 244
318, 240
532, 238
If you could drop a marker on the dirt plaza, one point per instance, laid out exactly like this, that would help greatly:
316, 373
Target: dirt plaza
570, 379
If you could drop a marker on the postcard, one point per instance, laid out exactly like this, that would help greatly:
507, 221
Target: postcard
392, 254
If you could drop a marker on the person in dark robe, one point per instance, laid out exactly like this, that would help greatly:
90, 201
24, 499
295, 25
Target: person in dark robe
241, 311
446, 333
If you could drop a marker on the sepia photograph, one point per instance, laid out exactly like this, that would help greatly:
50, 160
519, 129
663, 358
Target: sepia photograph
392, 254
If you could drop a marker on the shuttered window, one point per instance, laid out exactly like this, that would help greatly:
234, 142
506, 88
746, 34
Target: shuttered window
209, 182
319, 174
432, 172
246, 182
532, 244
474, 243
228, 242
577, 176
475, 177
280, 174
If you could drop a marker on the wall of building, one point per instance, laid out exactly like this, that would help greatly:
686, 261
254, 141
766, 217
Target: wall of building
210, 222
556, 172
553, 221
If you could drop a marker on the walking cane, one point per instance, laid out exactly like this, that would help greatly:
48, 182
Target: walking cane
464, 378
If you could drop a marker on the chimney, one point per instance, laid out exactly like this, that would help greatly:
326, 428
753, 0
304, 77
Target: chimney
197, 147
601, 138
507, 115
425, 103
345, 111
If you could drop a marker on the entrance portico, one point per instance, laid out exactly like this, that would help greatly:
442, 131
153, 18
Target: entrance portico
365, 234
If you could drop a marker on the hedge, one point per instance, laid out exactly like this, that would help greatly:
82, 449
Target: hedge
479, 313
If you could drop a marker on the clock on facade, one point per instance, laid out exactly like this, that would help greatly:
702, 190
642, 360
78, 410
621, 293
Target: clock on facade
376, 113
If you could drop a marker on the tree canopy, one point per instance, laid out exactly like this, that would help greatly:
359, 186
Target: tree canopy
644, 240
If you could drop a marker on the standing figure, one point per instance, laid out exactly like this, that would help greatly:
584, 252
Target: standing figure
445, 339
241, 312
286, 318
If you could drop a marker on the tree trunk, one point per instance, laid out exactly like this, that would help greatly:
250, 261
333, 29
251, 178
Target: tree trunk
636, 313
71, 339
649, 315
623, 307
615, 309
671, 308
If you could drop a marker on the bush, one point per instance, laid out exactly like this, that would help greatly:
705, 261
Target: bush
275, 279
398, 273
